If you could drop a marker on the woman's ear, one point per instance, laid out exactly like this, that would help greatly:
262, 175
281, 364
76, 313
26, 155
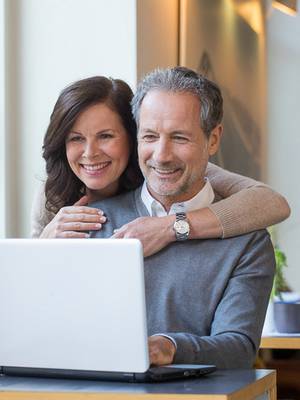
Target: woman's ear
215, 139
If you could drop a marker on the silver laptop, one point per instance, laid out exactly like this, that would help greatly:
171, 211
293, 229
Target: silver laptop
76, 308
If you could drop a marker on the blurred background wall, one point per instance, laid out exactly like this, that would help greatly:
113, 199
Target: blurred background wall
250, 48
283, 122
157, 34
2, 127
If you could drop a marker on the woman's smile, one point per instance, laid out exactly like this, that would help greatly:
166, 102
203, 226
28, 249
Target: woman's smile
95, 169
97, 149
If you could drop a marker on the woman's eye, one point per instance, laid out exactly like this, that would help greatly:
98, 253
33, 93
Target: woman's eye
75, 139
105, 135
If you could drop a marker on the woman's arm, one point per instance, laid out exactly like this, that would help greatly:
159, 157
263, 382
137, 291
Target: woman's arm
248, 205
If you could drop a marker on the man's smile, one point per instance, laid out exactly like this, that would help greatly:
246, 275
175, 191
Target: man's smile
164, 173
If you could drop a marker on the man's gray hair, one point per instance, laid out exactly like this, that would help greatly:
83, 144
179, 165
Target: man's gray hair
183, 80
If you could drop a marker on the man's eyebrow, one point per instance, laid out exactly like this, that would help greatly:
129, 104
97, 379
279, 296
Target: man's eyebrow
148, 130
175, 132
183, 132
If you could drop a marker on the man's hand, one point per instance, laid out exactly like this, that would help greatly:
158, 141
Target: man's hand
161, 350
154, 233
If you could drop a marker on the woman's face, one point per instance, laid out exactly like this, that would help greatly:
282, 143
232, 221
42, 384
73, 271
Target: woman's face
98, 149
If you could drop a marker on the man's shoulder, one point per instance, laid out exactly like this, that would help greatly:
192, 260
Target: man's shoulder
252, 247
250, 239
250, 236
119, 210
236, 247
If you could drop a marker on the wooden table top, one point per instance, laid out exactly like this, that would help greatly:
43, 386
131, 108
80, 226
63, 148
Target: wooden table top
280, 342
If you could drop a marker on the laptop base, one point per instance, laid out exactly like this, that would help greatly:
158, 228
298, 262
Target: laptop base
154, 374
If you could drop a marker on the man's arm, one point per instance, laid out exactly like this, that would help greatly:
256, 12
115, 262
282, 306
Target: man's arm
161, 350
239, 316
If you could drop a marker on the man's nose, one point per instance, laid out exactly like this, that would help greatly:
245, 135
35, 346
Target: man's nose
163, 151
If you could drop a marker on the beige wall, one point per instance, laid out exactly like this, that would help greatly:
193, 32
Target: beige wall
157, 34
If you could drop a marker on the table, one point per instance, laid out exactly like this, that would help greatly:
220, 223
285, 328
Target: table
280, 342
220, 385
287, 368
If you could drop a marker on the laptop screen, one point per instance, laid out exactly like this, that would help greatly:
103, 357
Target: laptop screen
73, 304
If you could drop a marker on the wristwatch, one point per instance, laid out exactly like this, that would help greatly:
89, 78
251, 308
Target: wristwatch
181, 226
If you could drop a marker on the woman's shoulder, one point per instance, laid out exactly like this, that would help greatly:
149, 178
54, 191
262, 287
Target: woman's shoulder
40, 216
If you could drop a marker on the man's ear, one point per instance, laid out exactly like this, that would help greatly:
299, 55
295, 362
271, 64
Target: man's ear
214, 140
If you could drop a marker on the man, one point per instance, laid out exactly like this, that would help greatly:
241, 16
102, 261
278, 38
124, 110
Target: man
206, 299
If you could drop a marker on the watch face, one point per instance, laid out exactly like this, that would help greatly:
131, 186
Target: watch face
182, 227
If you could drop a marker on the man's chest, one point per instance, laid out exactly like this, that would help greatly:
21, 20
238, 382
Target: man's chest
185, 284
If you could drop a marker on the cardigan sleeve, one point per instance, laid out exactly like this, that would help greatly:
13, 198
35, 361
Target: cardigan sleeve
247, 205
40, 217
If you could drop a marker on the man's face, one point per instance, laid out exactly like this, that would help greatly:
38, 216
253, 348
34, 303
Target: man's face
173, 150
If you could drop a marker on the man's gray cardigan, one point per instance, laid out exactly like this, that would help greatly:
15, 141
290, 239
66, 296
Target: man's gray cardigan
209, 295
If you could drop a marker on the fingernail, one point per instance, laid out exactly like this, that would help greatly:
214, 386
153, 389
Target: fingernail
98, 226
103, 219
86, 235
100, 212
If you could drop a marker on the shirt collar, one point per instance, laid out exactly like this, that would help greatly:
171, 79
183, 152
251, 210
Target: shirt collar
202, 199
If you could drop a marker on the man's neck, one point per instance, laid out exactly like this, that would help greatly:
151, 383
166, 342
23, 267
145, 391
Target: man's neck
168, 201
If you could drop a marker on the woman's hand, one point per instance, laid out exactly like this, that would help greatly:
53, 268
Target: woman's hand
72, 221
155, 233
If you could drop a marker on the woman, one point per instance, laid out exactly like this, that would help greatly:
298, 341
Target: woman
90, 153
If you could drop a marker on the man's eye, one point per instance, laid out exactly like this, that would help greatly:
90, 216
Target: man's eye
180, 139
149, 138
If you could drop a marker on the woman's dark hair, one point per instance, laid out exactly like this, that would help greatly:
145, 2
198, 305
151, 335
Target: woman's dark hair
63, 188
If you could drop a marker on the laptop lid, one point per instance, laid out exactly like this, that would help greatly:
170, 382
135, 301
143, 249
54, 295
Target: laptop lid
73, 304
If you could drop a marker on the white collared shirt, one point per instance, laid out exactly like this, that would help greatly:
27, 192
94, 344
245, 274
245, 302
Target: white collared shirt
202, 199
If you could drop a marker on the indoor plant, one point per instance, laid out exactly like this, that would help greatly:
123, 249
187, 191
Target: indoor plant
286, 304
279, 283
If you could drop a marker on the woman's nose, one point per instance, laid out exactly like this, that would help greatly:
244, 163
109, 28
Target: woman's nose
91, 149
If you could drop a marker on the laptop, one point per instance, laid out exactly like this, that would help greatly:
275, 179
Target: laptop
75, 308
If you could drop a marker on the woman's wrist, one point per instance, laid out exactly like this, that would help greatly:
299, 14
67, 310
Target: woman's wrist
204, 224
